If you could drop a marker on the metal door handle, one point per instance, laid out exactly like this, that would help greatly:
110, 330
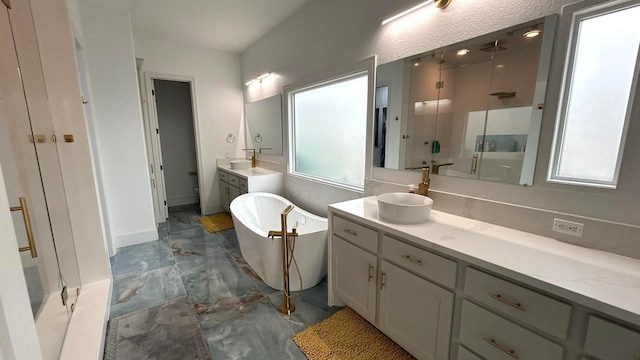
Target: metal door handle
382, 275
501, 298
502, 348
351, 232
474, 164
27, 226
370, 272
412, 259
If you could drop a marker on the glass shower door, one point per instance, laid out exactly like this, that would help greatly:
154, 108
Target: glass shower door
33, 177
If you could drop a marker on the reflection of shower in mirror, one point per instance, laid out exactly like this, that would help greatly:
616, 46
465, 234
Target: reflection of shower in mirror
475, 116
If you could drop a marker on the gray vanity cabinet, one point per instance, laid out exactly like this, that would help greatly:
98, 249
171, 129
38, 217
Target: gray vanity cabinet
415, 312
375, 282
356, 284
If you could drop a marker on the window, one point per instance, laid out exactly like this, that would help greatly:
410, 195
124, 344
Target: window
601, 73
328, 129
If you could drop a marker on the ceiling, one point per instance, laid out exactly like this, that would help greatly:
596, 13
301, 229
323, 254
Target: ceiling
229, 25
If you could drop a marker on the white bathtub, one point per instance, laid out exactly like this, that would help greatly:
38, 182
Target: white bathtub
254, 214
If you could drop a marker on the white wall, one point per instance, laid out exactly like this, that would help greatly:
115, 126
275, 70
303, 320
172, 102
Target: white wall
218, 97
110, 61
175, 120
331, 34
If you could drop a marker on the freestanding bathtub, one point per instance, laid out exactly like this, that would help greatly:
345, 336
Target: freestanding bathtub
254, 214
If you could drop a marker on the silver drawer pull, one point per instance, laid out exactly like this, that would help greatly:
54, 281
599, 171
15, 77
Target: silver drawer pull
382, 284
351, 232
508, 302
412, 259
370, 272
502, 348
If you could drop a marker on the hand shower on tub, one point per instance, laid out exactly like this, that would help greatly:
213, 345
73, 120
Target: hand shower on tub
288, 247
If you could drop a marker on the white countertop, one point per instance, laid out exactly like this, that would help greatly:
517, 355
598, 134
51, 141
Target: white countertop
602, 281
245, 173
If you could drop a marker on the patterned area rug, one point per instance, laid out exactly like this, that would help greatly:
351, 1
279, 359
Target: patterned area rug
217, 222
166, 331
346, 335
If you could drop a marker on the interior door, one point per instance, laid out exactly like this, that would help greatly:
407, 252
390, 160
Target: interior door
31, 169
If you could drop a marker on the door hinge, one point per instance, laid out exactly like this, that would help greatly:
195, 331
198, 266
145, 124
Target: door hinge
161, 168
153, 92
157, 131
65, 295
165, 203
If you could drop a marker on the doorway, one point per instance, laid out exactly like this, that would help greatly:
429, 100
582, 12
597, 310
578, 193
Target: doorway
174, 162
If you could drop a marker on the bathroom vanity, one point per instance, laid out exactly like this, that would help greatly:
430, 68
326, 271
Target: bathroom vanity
234, 182
456, 288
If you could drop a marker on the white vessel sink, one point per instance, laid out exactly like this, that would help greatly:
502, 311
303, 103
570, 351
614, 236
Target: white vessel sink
404, 208
240, 164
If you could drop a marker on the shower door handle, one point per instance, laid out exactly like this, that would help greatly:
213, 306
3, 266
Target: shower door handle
27, 225
474, 164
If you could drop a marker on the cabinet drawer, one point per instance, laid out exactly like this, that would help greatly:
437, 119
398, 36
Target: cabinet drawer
234, 180
526, 305
224, 176
244, 186
357, 234
424, 263
464, 354
609, 341
493, 337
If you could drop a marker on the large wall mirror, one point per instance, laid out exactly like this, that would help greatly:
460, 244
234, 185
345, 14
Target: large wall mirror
472, 109
264, 125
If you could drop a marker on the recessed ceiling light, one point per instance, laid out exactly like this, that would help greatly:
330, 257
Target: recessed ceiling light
532, 33
499, 66
463, 52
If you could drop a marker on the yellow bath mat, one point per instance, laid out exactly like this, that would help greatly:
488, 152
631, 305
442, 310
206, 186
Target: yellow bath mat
347, 336
217, 222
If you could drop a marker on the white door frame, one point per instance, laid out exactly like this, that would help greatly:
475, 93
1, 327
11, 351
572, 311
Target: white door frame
153, 140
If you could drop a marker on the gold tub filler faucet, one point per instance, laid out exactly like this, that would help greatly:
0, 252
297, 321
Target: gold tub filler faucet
288, 245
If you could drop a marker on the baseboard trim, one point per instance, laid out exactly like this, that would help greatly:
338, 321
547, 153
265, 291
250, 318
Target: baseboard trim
136, 238
212, 209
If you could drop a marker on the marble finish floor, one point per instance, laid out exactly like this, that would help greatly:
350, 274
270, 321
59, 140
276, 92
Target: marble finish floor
237, 311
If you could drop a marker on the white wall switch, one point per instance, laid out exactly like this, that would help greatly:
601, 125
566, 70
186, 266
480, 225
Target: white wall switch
567, 227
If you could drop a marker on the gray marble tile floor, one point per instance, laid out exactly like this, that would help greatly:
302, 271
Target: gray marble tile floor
237, 311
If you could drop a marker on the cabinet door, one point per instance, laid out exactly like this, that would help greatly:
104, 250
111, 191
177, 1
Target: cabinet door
354, 278
415, 313
224, 195
234, 192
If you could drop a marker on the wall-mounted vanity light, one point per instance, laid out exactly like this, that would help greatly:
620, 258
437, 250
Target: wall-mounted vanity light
258, 79
463, 52
440, 4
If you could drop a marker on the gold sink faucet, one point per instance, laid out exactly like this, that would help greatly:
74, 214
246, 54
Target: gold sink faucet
253, 157
423, 187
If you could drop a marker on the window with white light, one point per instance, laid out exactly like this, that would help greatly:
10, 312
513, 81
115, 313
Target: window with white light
328, 129
601, 73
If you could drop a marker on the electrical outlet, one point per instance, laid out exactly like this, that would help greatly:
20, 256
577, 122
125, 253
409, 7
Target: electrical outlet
226, 154
567, 227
